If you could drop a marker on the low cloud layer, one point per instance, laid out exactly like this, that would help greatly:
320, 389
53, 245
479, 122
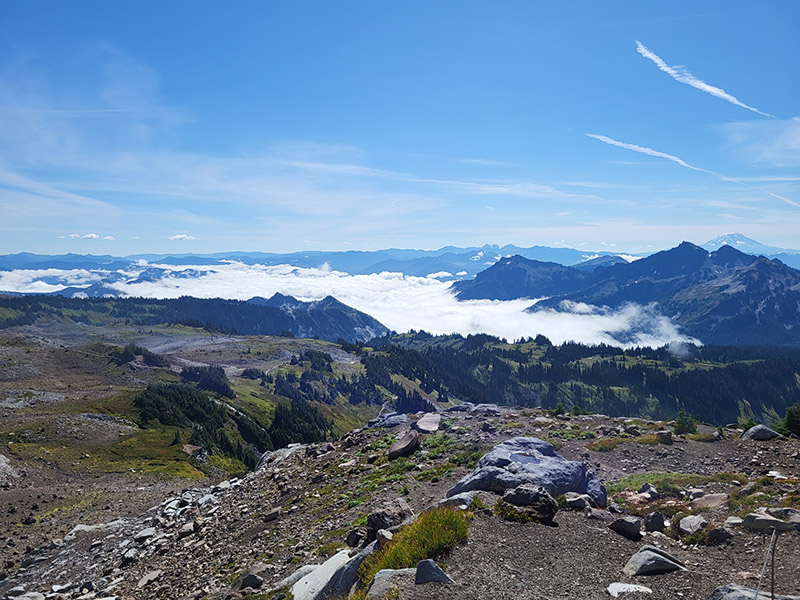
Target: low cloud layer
400, 302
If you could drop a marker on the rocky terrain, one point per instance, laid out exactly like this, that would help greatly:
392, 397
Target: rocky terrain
319, 504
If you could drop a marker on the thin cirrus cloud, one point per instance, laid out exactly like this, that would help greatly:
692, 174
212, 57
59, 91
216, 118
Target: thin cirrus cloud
676, 159
681, 74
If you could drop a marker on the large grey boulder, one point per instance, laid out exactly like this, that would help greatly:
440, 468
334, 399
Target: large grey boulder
732, 591
650, 560
294, 577
405, 446
523, 460
342, 581
428, 423
311, 586
760, 433
762, 521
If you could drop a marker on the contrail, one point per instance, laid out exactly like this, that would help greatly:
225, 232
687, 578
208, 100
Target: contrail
684, 76
678, 160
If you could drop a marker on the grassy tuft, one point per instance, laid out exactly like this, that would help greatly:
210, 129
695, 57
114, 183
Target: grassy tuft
433, 534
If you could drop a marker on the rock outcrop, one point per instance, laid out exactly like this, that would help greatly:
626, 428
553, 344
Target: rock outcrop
524, 460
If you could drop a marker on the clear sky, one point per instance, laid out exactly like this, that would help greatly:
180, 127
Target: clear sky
196, 126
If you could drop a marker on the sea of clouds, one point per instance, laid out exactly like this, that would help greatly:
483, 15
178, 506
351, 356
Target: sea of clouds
401, 302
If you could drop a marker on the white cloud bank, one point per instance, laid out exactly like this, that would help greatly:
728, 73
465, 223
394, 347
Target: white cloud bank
398, 301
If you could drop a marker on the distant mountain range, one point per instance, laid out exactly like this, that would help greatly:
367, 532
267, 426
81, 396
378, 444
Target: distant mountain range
326, 319
449, 262
721, 297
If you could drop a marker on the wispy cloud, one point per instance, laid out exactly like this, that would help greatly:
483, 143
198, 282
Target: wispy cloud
181, 236
658, 154
681, 74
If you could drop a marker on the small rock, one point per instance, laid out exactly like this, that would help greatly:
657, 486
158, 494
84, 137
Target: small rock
719, 535
650, 560
732, 591
383, 537
615, 589
629, 527
356, 536
186, 529
144, 534
575, 501
428, 423
534, 499
655, 521
386, 580
428, 571
271, 515
251, 580
405, 446
691, 524
710, 501
664, 437
148, 578
599, 514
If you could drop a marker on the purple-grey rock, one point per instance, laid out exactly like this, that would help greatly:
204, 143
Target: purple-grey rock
691, 524
760, 433
523, 460
654, 521
732, 591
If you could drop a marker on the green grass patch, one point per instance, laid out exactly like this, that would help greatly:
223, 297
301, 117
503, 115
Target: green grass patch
433, 534
232, 466
606, 444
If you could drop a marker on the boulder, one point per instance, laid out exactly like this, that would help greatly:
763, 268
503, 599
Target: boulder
252, 580
148, 578
762, 521
655, 521
383, 537
719, 535
342, 581
405, 446
294, 577
524, 460
664, 437
691, 524
386, 580
598, 514
310, 586
356, 536
616, 588
463, 407
428, 571
428, 423
710, 501
388, 420
486, 410
760, 433
629, 527
389, 515
458, 501
650, 560
534, 500
732, 591
144, 534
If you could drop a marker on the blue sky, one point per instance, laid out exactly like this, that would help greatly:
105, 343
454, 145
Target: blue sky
195, 126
